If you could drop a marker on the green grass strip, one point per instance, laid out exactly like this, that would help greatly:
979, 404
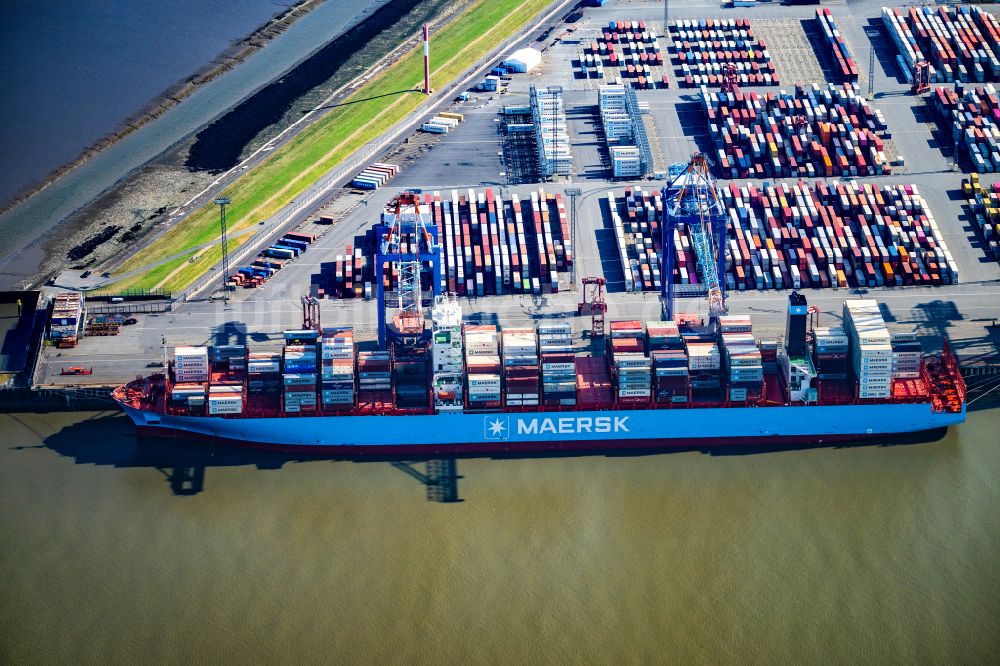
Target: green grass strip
365, 115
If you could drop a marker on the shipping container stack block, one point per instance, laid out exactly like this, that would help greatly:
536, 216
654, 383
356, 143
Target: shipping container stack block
338, 365
984, 208
594, 389
703, 50
374, 381
482, 366
411, 378
815, 131
871, 348
191, 364
704, 367
300, 371
631, 365
264, 384
841, 235
375, 176
489, 246
843, 61
960, 43
521, 370
831, 353
971, 119
742, 359
671, 377
628, 50
555, 345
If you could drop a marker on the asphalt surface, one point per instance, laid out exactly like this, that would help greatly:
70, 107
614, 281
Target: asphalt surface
471, 156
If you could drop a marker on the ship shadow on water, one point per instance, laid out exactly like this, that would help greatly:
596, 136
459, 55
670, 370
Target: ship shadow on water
109, 440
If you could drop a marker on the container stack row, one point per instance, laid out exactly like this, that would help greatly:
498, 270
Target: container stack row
631, 365
375, 176
629, 50
840, 235
871, 348
842, 58
374, 378
272, 260
555, 347
411, 379
487, 245
300, 371
635, 219
442, 123
743, 363
972, 120
593, 383
906, 354
67, 319
816, 131
263, 373
704, 49
338, 365
830, 350
984, 204
792, 236
961, 43
704, 364
482, 366
671, 377
519, 348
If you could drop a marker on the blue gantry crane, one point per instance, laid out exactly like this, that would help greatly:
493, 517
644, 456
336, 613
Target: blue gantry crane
408, 239
691, 198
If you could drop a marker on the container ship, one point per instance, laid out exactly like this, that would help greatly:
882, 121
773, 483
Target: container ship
463, 387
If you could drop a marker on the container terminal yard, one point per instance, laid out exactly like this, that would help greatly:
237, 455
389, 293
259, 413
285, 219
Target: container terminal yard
839, 193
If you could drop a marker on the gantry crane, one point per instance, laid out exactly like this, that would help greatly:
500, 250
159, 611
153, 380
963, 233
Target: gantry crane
921, 77
730, 79
693, 199
407, 239
593, 303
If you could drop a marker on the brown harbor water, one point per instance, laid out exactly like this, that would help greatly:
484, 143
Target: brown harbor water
870, 554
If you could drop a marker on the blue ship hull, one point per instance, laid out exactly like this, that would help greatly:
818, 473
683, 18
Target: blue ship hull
515, 432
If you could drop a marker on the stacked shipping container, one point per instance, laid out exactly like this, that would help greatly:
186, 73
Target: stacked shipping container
984, 204
961, 43
631, 366
816, 131
555, 345
630, 50
299, 371
375, 176
871, 349
972, 120
482, 366
842, 58
704, 49
791, 236
337, 369
520, 367
488, 246
671, 377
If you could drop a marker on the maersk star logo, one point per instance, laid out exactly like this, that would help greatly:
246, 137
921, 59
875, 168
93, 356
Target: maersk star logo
496, 427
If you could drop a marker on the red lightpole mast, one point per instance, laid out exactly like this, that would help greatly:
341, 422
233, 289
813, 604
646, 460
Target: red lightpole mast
427, 62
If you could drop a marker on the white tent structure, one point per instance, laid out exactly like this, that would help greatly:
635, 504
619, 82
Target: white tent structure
523, 60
